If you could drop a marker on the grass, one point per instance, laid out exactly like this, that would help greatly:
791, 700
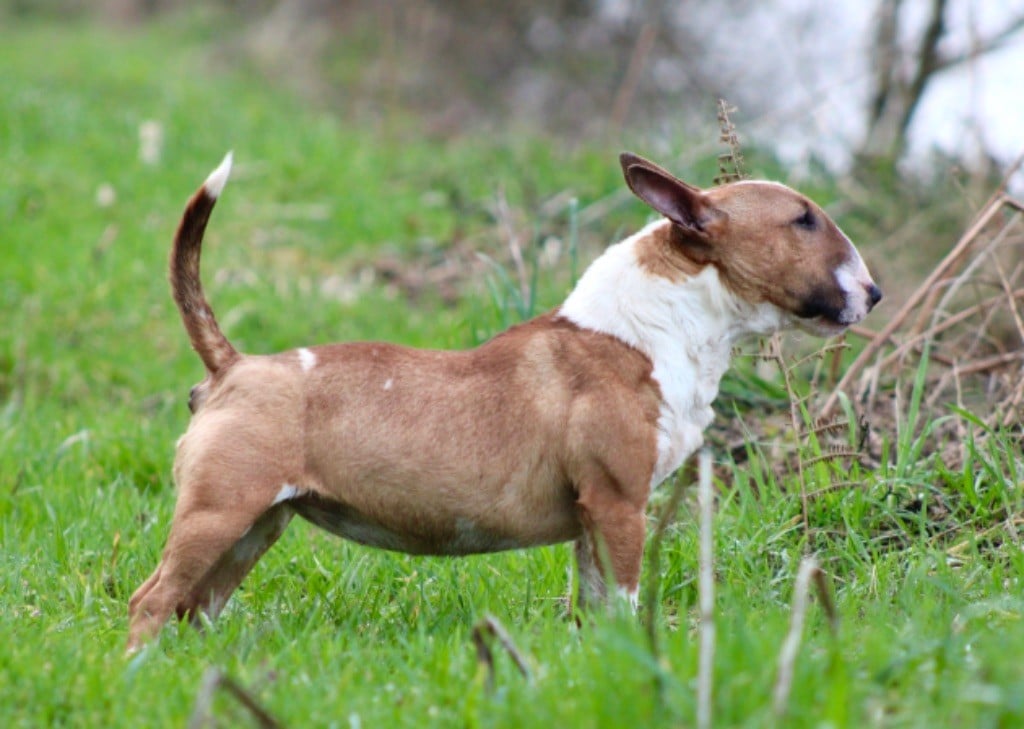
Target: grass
95, 370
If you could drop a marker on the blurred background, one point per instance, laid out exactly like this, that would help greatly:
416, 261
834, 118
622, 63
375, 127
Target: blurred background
848, 84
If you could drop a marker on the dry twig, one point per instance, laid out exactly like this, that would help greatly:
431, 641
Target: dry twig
912, 303
489, 627
215, 679
927, 304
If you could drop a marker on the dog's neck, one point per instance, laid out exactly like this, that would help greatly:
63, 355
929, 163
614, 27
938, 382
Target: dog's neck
687, 328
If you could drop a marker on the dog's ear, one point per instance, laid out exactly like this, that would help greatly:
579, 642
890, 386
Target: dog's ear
685, 205
628, 159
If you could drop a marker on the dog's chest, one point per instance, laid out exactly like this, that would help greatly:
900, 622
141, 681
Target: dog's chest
689, 384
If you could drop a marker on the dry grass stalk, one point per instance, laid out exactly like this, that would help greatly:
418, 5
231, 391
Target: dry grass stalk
814, 441
506, 219
985, 364
730, 164
797, 416
775, 352
823, 587
959, 550
1011, 297
917, 341
705, 497
213, 680
485, 629
833, 487
833, 453
952, 285
791, 645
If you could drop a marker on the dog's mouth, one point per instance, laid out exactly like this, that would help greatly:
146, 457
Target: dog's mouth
821, 326
828, 321
823, 315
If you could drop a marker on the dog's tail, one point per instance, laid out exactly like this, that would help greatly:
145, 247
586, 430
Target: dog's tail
207, 339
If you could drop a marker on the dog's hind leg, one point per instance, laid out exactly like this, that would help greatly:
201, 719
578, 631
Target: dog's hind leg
212, 592
210, 549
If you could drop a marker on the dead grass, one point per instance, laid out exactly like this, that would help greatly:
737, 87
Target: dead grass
964, 325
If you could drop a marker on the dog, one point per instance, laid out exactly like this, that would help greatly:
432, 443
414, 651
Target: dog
555, 430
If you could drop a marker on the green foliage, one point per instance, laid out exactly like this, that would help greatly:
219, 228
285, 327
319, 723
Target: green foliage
94, 375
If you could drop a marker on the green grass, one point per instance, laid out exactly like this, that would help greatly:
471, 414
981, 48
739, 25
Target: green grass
94, 375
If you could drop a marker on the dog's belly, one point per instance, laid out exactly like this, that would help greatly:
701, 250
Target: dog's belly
440, 535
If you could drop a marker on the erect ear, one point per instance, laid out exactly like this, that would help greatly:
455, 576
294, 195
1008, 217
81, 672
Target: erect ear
683, 204
628, 159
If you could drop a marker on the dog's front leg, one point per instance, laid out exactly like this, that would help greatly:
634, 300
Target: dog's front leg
612, 545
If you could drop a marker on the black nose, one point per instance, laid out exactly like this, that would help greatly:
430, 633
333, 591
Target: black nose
874, 295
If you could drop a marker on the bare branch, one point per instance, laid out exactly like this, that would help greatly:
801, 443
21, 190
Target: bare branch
927, 57
981, 48
994, 206
901, 77
884, 56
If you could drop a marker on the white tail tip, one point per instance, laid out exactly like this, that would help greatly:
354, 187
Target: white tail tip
214, 184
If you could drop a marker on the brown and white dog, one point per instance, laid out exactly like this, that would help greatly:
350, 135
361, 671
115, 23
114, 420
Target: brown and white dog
555, 430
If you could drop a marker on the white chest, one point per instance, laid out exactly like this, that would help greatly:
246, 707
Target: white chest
687, 328
689, 385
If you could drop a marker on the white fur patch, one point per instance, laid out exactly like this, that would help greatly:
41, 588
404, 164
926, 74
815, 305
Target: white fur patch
287, 493
763, 183
631, 596
687, 330
853, 278
388, 383
307, 360
215, 183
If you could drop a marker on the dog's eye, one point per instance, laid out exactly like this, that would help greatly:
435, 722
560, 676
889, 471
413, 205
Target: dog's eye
807, 221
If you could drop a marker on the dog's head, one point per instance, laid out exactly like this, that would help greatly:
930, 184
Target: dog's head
770, 244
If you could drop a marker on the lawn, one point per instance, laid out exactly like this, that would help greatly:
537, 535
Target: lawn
94, 376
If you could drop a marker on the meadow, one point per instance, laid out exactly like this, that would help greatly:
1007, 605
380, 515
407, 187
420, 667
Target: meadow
923, 555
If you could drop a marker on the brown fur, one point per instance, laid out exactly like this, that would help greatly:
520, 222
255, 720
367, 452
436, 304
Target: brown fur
770, 258
664, 253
